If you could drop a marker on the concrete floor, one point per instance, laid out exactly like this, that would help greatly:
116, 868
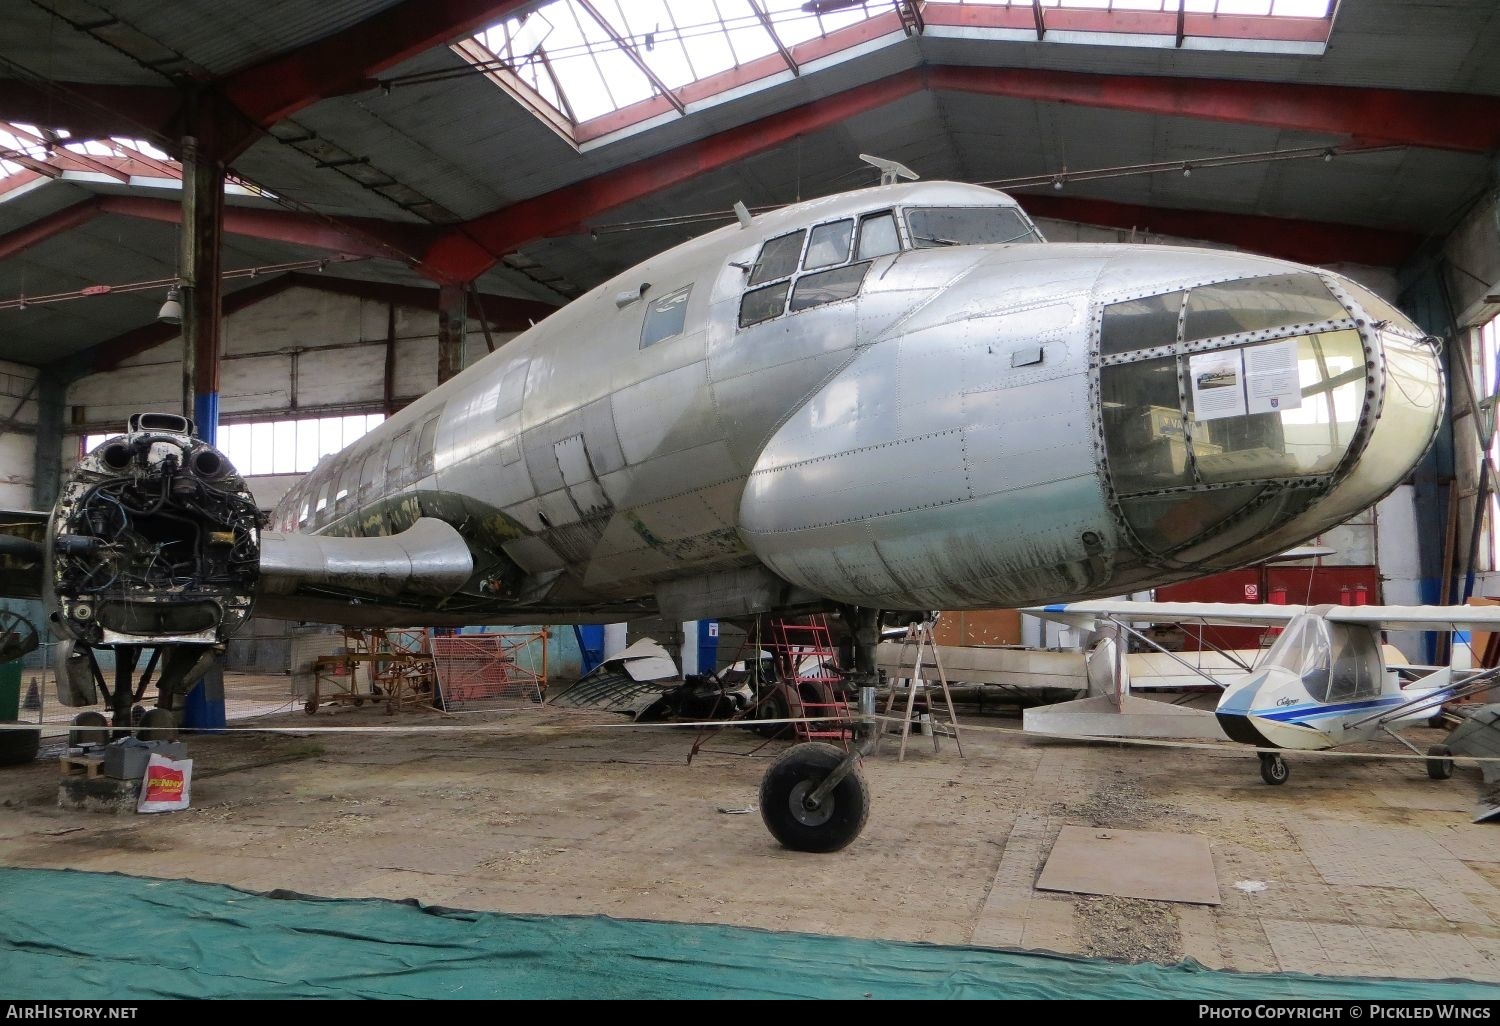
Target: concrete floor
1368, 867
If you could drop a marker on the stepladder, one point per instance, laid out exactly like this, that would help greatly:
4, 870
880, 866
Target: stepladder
923, 694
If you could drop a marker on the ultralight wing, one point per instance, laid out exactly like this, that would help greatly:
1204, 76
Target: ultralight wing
1418, 618
1086, 615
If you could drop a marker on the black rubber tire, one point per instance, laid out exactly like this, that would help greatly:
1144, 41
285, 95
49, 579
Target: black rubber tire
19, 746
310, 707
833, 826
774, 707
158, 725
89, 737
1273, 769
1439, 762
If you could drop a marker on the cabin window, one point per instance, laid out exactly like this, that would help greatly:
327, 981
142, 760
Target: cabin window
967, 226
828, 286
665, 317
1356, 669
348, 487
324, 488
877, 236
828, 245
369, 477
397, 461
426, 443
778, 258
763, 304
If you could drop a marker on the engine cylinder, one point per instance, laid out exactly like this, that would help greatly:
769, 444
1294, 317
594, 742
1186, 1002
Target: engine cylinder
155, 540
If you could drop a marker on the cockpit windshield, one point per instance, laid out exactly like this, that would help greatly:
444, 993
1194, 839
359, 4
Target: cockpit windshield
1337, 662
931, 227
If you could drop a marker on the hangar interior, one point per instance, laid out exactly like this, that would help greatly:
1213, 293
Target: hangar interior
289, 222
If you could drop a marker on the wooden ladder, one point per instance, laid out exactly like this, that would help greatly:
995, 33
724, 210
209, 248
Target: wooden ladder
920, 634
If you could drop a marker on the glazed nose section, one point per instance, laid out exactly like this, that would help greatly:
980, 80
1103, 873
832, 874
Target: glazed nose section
1274, 406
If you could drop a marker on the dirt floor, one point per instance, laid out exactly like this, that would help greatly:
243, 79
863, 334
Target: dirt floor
1353, 867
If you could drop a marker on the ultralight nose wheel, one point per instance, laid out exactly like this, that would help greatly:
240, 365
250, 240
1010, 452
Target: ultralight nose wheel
1273, 768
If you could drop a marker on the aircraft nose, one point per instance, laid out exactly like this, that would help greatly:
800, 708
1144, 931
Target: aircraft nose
1274, 407
1239, 728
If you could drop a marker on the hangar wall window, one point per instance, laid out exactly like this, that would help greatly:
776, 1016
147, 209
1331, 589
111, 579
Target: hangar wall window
967, 226
665, 317
265, 447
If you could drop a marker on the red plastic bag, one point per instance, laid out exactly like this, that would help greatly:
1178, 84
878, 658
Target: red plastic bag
166, 786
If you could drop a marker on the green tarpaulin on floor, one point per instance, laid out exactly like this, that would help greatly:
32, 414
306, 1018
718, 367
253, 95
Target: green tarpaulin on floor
83, 936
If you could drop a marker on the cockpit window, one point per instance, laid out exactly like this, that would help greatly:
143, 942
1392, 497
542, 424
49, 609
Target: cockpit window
763, 304
828, 286
665, 317
778, 258
829, 245
1253, 304
827, 275
877, 236
967, 226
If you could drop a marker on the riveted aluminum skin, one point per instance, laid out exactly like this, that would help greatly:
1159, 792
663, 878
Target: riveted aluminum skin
938, 439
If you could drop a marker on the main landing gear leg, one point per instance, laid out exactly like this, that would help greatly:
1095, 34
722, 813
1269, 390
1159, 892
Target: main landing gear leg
814, 798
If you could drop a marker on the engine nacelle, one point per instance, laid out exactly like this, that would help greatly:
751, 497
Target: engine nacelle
155, 540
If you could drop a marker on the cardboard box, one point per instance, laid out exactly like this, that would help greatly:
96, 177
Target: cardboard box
127, 760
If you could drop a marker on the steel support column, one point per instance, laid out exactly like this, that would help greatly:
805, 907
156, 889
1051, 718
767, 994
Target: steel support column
46, 477
202, 321
453, 309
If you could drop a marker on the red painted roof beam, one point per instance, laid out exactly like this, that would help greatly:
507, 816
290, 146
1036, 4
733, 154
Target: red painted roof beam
345, 61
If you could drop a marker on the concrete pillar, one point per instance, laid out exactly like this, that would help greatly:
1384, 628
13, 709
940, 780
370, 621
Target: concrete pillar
200, 268
690, 647
614, 640
453, 309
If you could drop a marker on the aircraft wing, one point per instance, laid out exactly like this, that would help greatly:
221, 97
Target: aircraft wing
1086, 615
22, 532
1419, 618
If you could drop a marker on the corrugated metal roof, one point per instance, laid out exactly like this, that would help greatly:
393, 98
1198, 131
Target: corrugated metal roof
465, 145
48, 47
225, 35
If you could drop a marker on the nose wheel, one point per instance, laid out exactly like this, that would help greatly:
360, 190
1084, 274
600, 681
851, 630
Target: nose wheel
802, 810
1273, 768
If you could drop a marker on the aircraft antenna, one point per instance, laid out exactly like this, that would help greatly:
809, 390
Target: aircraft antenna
890, 171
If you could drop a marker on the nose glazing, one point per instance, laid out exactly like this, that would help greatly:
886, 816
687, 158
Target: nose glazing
1238, 417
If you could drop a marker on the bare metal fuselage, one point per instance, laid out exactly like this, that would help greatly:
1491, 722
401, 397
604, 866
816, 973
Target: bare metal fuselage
953, 436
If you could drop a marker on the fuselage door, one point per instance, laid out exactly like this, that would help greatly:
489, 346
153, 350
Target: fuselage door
578, 476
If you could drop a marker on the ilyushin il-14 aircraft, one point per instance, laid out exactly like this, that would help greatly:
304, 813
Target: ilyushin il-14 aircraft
894, 399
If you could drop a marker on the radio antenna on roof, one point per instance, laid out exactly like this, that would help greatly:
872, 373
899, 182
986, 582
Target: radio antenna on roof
890, 171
